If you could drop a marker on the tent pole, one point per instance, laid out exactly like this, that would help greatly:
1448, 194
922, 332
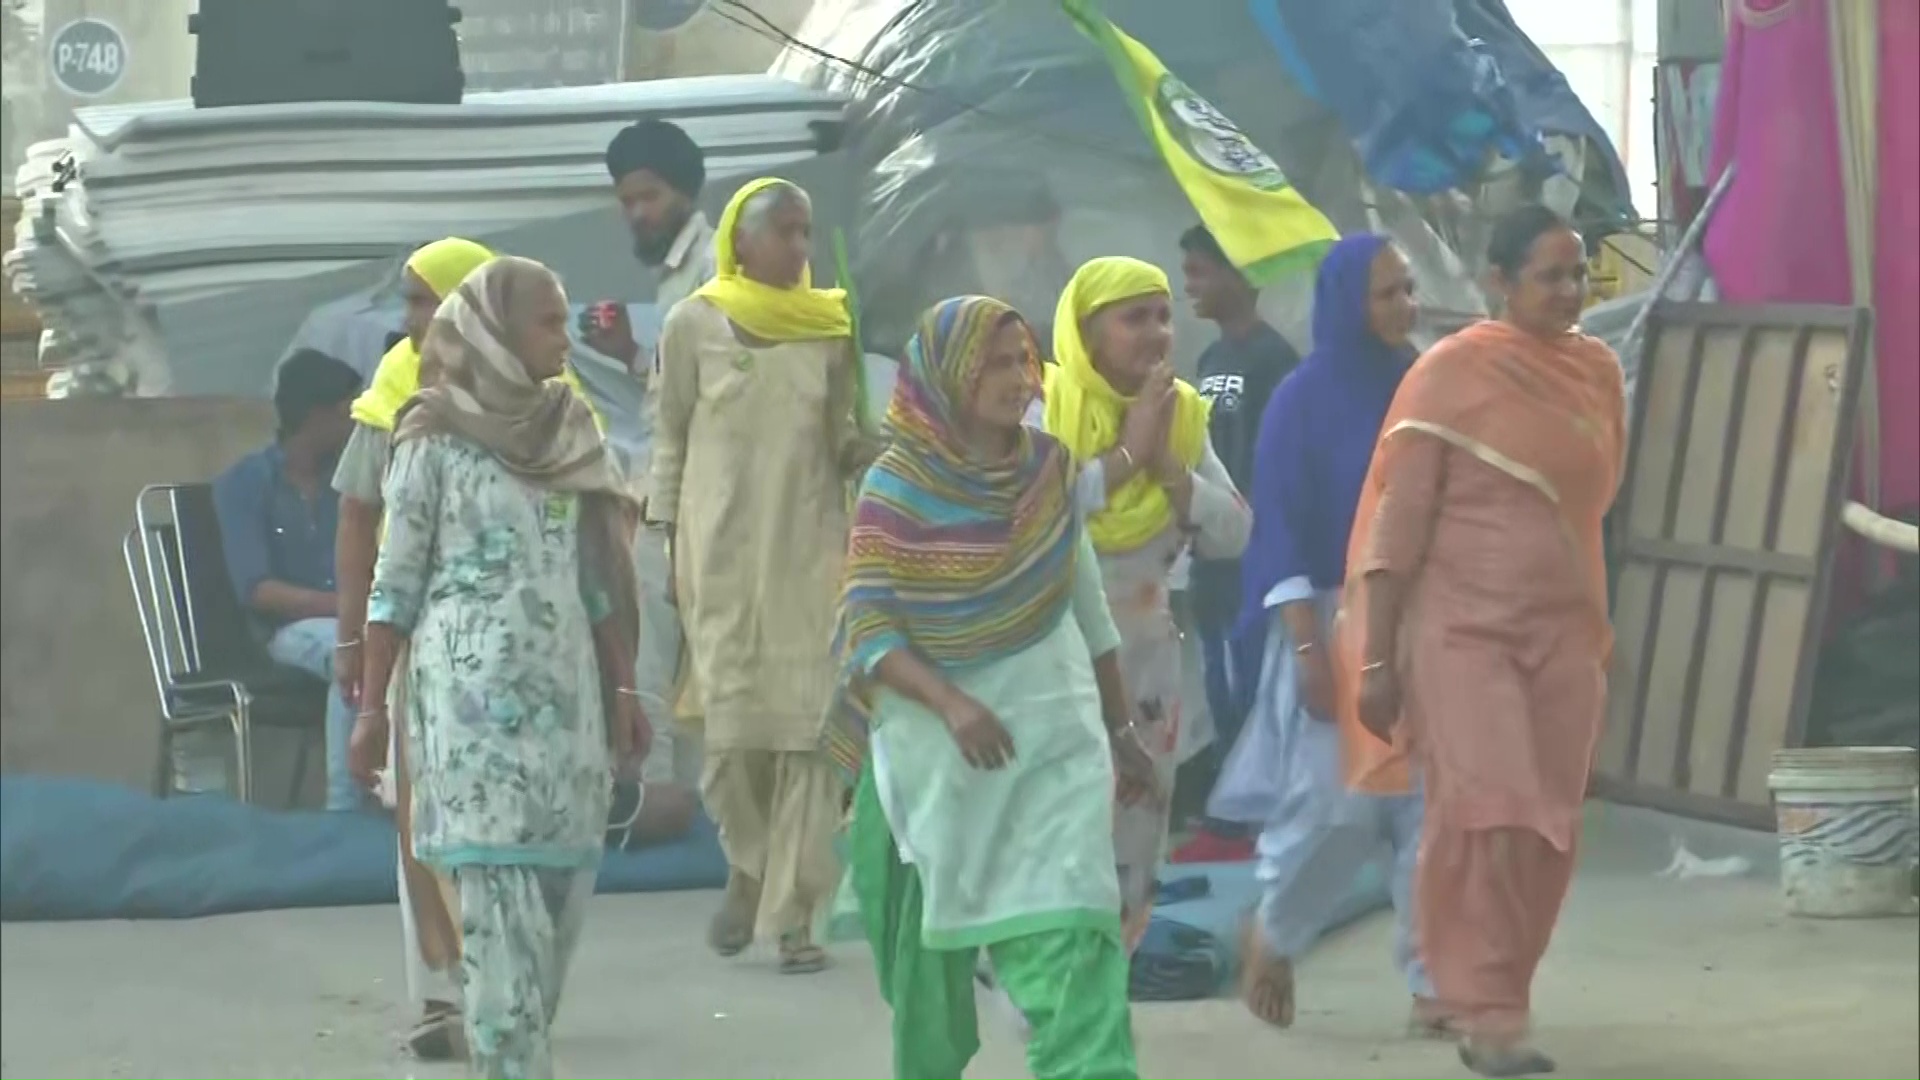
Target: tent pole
1675, 259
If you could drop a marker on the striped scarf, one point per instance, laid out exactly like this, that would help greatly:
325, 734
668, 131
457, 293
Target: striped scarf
963, 563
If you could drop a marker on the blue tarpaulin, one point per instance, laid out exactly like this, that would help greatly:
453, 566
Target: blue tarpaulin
1430, 90
77, 849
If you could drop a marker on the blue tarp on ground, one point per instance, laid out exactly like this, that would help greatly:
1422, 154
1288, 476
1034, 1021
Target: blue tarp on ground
77, 849
1231, 892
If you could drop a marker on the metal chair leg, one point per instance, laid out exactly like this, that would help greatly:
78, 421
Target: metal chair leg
246, 725
299, 769
242, 753
163, 768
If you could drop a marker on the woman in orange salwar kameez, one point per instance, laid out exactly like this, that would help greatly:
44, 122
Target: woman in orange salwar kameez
1475, 641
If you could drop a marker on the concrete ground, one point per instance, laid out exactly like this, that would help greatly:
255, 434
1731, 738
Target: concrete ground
1648, 977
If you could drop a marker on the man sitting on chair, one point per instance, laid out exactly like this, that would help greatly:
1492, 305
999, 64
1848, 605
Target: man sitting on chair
278, 516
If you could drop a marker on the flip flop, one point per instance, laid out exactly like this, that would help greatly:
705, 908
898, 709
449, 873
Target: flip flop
439, 1035
802, 959
1505, 1062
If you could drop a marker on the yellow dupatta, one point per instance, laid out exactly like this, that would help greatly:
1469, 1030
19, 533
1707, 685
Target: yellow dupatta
443, 265
1084, 411
801, 313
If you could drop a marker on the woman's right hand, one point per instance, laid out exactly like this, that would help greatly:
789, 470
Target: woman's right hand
1380, 701
983, 741
348, 663
1143, 431
367, 748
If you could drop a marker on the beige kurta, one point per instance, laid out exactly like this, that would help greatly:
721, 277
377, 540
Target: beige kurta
753, 446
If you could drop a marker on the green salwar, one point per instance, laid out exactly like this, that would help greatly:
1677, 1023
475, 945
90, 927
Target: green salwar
1070, 983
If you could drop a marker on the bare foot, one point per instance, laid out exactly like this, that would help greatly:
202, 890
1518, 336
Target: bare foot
1266, 981
1495, 1058
1429, 1020
731, 930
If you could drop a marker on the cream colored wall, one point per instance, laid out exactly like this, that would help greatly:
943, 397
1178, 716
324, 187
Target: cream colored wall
76, 692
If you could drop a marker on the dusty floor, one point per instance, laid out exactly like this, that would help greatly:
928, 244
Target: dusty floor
1647, 978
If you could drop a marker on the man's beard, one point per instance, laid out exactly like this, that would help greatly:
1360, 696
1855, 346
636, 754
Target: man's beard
652, 248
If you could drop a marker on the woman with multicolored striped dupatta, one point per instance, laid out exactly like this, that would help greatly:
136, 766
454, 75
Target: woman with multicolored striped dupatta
983, 713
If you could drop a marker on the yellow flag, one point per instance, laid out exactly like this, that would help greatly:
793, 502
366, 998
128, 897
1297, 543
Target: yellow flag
1262, 223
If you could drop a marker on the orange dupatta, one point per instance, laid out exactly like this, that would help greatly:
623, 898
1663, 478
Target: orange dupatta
1549, 413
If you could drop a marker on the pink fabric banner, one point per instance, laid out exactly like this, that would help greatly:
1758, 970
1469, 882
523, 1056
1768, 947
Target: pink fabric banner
1780, 234
1897, 268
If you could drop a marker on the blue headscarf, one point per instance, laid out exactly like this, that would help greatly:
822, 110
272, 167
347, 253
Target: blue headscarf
1317, 436
1342, 332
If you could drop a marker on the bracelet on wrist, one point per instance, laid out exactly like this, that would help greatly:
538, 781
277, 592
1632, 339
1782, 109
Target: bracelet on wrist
1306, 647
354, 644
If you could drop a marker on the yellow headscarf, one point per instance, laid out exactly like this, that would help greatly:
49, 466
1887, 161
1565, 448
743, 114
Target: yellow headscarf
443, 265
1084, 411
801, 313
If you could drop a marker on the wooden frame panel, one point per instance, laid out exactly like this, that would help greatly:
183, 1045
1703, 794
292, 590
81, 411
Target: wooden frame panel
1737, 465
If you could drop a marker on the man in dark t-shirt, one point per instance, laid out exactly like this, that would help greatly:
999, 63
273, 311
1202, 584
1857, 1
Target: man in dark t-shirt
1237, 374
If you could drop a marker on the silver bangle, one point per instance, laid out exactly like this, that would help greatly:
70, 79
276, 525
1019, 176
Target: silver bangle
1126, 456
1305, 647
630, 693
354, 644
1372, 666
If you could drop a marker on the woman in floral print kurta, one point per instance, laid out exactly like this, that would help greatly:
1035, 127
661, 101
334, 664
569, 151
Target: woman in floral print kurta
502, 569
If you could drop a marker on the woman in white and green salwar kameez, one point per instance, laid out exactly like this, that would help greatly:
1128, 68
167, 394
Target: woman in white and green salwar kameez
984, 715
505, 570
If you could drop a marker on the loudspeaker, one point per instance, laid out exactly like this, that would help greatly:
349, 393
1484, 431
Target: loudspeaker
255, 52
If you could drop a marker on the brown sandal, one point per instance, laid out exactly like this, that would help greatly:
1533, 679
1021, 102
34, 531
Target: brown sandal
1266, 982
1504, 1061
799, 956
439, 1035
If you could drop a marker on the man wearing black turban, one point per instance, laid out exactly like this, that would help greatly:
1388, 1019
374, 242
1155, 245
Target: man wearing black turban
657, 174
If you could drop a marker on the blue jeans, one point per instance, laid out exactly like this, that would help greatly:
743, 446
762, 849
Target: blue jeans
309, 646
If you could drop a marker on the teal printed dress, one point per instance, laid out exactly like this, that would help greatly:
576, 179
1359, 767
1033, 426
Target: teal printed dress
507, 738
